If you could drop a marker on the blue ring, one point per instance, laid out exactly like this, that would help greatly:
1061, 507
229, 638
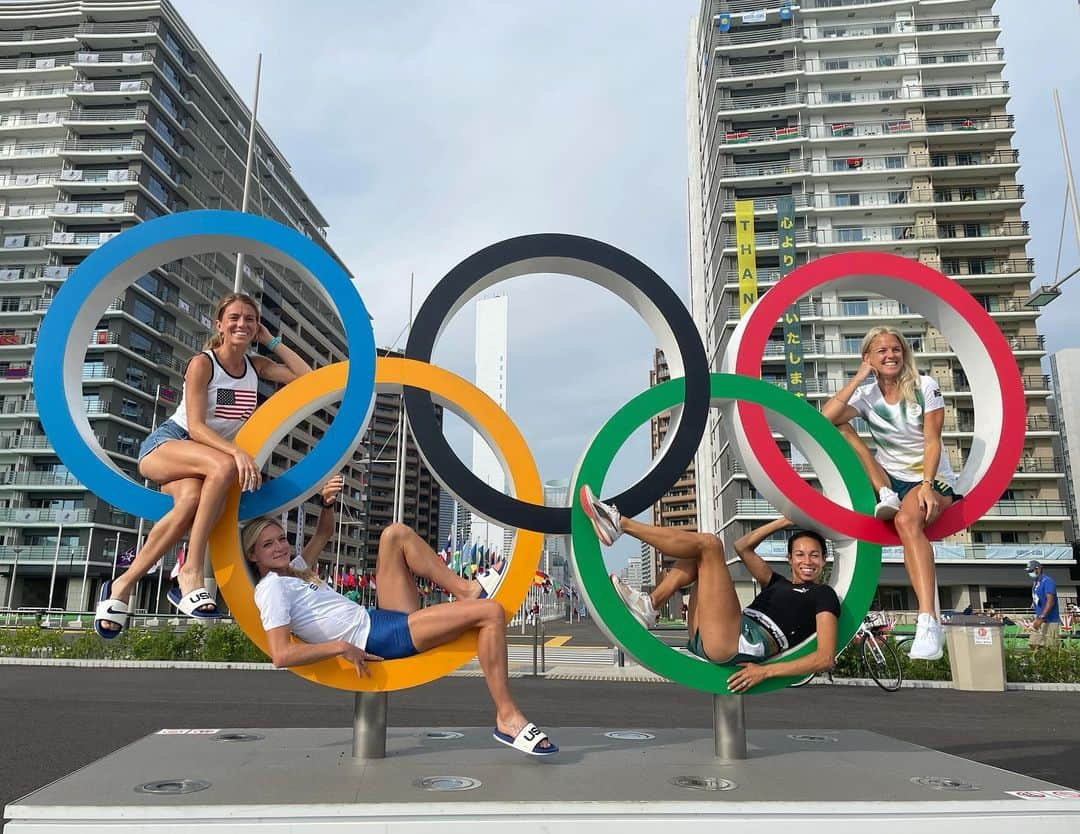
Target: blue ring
122, 261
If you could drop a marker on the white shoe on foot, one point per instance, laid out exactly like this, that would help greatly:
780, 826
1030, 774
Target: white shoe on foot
604, 517
888, 504
929, 642
639, 602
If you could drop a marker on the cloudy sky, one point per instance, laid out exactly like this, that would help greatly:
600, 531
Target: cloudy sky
426, 131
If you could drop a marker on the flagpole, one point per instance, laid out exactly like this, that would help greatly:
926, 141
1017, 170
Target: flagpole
116, 554
160, 577
55, 559
85, 568
14, 570
399, 484
1070, 185
247, 170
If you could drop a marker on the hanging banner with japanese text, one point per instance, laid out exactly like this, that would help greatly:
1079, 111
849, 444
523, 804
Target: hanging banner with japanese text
793, 349
744, 240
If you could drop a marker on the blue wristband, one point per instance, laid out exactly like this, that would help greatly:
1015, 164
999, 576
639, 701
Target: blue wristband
272, 345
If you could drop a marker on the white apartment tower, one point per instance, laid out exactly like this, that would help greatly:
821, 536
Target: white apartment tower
112, 113
887, 122
491, 332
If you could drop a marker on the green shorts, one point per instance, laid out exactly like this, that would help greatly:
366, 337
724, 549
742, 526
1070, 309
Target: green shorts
902, 488
751, 633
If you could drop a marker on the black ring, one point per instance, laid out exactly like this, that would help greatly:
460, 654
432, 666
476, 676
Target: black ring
612, 269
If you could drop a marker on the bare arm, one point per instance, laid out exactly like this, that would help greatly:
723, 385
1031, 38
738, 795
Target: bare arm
286, 652
823, 658
290, 367
745, 549
836, 408
325, 528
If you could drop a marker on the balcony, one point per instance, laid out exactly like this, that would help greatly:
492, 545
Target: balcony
30, 150
920, 161
79, 240
750, 37
766, 240
773, 102
793, 168
925, 28
108, 91
37, 36
39, 479
901, 198
754, 69
768, 204
34, 241
96, 150
861, 63
862, 129
836, 99
73, 178
907, 232
986, 268
41, 553
34, 91
1036, 509
96, 117
41, 119
86, 60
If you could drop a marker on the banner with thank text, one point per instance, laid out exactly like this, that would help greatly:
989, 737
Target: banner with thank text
744, 241
793, 349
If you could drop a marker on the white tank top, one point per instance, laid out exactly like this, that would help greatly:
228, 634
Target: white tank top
230, 400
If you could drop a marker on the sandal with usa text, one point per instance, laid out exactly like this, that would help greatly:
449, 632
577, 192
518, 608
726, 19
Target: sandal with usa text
192, 604
489, 580
528, 740
110, 611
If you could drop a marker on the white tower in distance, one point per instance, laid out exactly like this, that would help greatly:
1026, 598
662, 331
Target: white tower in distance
491, 323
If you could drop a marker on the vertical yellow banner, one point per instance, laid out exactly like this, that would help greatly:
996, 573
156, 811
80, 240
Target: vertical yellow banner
744, 240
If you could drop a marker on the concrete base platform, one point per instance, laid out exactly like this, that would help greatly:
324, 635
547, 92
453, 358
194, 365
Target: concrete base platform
618, 781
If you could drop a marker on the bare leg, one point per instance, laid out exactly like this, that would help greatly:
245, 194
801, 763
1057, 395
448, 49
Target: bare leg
179, 459
717, 612
918, 552
403, 556
439, 624
877, 475
684, 572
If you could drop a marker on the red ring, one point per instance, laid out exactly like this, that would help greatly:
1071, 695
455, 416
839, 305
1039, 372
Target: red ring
759, 325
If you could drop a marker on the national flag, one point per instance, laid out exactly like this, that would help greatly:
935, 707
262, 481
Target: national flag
723, 22
787, 132
234, 404
181, 554
736, 137
967, 124
785, 11
166, 393
898, 127
855, 162
16, 373
842, 128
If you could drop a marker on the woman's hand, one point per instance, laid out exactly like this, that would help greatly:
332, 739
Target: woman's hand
929, 503
358, 658
263, 336
331, 489
864, 372
247, 473
749, 676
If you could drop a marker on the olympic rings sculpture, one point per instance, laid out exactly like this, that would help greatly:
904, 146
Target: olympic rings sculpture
843, 510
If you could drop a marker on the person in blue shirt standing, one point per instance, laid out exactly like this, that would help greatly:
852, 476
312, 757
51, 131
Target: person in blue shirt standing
1046, 629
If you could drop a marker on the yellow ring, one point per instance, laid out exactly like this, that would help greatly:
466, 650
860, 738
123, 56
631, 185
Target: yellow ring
473, 406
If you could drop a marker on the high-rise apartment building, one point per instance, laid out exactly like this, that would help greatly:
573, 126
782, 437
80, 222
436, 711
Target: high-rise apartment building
887, 123
1065, 376
678, 506
112, 113
491, 334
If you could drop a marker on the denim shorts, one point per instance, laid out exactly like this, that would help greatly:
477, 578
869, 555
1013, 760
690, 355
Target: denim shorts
389, 637
162, 434
902, 488
750, 633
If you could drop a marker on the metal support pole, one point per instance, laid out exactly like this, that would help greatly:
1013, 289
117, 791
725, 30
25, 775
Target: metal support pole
369, 726
729, 727
536, 642
1070, 184
246, 199
543, 642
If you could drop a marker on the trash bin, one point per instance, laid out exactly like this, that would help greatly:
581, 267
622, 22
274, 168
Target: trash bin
976, 652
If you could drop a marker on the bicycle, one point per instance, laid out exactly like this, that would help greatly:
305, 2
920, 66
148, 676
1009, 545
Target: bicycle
879, 655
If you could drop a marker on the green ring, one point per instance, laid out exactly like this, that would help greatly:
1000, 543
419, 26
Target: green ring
610, 611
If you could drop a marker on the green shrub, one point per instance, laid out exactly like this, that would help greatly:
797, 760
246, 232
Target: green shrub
1060, 665
228, 643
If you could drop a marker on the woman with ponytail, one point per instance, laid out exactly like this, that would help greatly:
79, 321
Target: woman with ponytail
192, 457
909, 470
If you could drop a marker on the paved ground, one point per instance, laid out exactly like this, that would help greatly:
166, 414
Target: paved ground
586, 634
55, 719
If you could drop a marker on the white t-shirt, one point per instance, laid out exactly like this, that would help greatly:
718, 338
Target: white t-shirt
315, 613
897, 430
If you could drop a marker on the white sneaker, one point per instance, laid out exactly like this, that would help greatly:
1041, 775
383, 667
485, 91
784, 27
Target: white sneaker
639, 602
929, 642
604, 517
888, 504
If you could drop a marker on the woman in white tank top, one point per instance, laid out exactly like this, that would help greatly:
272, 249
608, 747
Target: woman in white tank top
193, 459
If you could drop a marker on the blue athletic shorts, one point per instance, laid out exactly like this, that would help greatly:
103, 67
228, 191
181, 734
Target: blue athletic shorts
389, 637
162, 434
